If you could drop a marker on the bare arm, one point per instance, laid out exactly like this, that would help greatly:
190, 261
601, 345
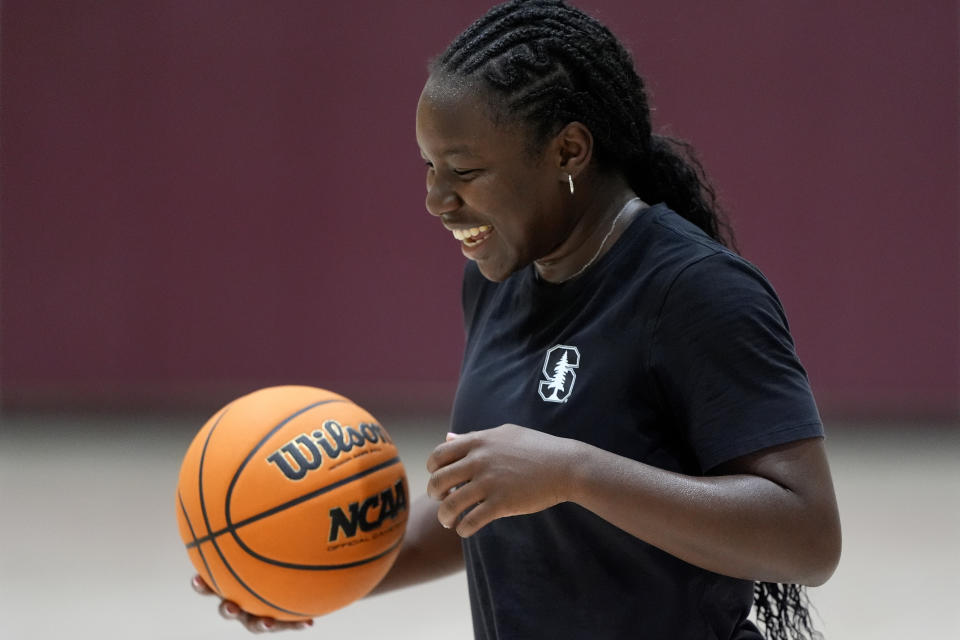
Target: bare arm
771, 516
429, 551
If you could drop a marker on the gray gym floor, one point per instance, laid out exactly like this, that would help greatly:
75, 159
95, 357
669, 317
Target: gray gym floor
89, 545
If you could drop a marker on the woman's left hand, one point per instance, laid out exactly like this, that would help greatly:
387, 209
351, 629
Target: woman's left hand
506, 471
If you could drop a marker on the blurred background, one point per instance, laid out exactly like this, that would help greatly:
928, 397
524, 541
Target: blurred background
203, 198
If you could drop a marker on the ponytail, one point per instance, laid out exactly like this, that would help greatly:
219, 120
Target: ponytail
670, 172
783, 611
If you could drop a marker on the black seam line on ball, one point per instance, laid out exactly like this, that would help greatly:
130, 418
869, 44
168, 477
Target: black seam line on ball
213, 541
203, 504
294, 502
320, 567
193, 535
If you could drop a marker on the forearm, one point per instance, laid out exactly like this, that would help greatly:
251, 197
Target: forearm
428, 550
743, 525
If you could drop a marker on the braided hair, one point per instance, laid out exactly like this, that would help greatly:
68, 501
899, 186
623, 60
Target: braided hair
544, 64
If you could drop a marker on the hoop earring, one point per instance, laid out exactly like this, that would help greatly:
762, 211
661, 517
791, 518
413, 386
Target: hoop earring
570, 180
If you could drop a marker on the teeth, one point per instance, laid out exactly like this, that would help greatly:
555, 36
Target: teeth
469, 234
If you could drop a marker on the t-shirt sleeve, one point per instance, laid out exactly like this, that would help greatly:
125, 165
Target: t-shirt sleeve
727, 366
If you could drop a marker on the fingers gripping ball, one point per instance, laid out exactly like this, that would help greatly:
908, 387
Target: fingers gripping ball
292, 502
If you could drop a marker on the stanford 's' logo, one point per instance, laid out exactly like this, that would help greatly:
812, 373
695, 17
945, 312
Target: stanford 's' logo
559, 373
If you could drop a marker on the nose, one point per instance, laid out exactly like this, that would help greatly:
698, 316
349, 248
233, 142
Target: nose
441, 198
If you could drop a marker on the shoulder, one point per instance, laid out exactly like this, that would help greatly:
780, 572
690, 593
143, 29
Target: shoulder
476, 293
695, 270
722, 285
474, 284
674, 263
469, 290
471, 275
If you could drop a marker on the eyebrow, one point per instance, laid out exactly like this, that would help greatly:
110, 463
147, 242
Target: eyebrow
458, 150
455, 150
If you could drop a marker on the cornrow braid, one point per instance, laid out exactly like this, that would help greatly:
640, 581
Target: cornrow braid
546, 64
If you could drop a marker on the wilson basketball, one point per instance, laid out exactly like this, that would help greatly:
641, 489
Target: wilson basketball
292, 502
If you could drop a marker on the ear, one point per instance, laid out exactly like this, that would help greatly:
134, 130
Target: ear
574, 149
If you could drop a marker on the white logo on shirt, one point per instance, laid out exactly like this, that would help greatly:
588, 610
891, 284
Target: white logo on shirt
559, 374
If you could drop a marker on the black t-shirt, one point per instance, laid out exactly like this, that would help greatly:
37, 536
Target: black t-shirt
670, 350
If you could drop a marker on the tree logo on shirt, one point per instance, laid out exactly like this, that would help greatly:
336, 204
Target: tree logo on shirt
559, 373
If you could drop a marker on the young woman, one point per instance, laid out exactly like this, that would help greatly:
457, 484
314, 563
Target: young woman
635, 450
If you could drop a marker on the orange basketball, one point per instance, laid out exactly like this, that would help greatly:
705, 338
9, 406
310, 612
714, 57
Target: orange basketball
292, 502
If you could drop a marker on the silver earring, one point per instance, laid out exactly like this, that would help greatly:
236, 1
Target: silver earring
570, 180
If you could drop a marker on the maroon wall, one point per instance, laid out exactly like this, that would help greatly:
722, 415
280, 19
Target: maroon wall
204, 197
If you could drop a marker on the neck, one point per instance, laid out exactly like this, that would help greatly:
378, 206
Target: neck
594, 233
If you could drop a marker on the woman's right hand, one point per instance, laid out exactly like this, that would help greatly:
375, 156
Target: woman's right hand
254, 624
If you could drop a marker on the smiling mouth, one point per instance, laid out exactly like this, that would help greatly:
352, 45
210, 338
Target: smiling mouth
474, 236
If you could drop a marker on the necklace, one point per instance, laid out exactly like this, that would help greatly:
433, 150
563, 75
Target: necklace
603, 243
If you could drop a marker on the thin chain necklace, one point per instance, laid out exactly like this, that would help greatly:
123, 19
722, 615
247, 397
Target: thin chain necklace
603, 243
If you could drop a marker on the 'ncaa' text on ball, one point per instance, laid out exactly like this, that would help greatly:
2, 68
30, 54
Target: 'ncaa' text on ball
390, 501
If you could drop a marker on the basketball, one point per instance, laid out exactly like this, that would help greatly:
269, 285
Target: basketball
292, 502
